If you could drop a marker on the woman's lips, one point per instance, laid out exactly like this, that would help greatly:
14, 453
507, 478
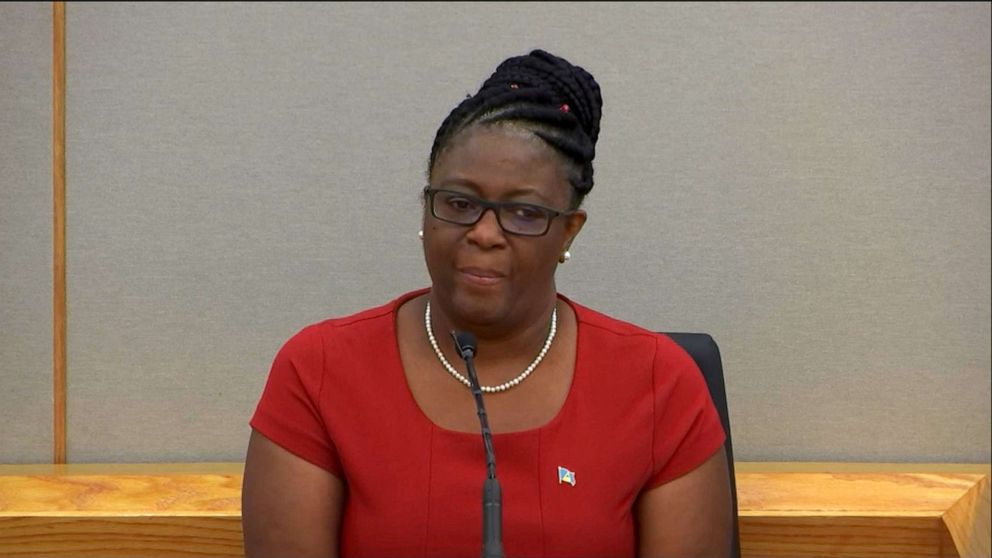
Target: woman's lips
480, 276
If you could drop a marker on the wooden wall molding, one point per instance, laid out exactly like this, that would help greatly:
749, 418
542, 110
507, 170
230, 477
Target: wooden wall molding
58, 235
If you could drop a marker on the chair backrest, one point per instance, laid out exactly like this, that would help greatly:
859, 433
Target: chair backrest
703, 349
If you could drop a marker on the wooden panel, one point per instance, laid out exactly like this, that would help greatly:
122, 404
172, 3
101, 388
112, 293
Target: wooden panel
844, 536
159, 536
881, 511
194, 510
121, 510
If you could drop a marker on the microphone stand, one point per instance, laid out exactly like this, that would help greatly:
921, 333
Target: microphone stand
492, 514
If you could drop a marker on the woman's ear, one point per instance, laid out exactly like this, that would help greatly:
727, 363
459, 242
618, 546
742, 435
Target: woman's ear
573, 224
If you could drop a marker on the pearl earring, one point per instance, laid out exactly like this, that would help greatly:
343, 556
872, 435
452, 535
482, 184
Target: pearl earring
565, 257
420, 234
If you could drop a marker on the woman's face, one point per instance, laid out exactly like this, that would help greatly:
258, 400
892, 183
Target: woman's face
482, 275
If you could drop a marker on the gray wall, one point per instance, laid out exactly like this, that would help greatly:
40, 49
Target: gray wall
25, 232
809, 183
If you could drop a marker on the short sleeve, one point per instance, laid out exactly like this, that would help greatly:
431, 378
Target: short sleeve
687, 429
288, 412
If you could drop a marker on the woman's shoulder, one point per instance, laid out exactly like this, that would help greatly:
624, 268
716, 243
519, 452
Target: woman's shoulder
603, 326
368, 323
586, 316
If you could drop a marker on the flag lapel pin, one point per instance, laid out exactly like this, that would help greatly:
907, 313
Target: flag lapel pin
564, 475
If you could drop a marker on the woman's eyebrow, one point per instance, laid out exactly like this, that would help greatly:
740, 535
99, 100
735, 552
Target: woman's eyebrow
476, 190
527, 191
464, 182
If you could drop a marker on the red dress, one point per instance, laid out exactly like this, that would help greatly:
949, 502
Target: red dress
637, 415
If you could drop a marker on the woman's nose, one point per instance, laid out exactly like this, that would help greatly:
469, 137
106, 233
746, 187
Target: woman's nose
487, 232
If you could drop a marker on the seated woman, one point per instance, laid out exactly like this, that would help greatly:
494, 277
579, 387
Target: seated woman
366, 440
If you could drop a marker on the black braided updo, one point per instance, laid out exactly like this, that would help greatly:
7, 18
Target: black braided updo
554, 99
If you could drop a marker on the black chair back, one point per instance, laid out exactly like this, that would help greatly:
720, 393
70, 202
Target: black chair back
703, 349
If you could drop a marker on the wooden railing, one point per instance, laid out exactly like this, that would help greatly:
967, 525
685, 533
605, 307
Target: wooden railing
785, 509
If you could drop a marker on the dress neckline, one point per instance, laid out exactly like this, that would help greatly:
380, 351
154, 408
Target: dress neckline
408, 399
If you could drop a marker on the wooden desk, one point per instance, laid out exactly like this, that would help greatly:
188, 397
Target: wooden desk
160, 510
863, 509
786, 509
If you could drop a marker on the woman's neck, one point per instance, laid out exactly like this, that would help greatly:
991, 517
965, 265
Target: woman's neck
513, 341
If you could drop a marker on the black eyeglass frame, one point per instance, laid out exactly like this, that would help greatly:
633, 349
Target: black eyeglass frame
497, 207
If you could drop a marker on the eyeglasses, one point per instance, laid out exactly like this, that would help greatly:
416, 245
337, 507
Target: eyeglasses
525, 219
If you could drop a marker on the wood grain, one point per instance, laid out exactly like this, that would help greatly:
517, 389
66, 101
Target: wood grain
968, 521
129, 495
140, 512
58, 235
852, 494
844, 510
848, 537
94, 537
851, 514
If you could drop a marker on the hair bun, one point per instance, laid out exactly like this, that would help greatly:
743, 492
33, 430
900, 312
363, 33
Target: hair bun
566, 86
556, 100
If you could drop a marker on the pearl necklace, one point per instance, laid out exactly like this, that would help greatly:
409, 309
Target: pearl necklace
505, 385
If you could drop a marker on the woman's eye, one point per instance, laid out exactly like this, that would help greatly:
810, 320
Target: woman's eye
461, 204
527, 212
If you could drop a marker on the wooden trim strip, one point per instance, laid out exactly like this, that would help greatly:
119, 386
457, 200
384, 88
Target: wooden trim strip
58, 235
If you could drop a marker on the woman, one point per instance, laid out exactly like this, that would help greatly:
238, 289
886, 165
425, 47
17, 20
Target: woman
366, 440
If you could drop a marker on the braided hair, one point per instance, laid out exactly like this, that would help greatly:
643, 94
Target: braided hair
547, 95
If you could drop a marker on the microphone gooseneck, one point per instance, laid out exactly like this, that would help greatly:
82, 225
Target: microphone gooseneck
492, 506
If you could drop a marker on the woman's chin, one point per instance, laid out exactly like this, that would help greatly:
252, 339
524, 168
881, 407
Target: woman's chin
479, 306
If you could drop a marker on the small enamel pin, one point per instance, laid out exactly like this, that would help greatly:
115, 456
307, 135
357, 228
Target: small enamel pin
564, 475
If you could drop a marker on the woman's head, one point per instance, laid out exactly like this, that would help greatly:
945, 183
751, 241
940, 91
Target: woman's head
546, 95
508, 170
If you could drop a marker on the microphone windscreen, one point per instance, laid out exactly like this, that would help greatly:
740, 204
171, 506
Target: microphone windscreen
465, 343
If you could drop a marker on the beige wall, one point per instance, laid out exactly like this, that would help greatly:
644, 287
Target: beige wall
25, 233
809, 183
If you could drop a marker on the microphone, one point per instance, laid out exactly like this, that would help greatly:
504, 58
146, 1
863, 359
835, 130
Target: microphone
492, 514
